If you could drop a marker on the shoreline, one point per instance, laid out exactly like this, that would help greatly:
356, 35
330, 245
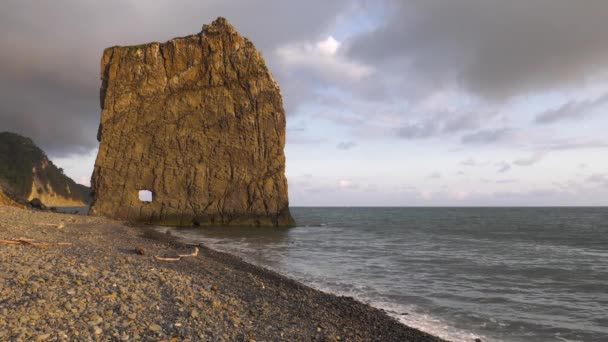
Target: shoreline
99, 288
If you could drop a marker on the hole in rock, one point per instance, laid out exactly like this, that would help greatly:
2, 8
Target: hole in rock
145, 196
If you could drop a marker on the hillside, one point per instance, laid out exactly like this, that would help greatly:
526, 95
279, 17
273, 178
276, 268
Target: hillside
27, 173
5, 199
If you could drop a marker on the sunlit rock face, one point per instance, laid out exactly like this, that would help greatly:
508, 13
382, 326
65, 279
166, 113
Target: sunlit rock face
198, 123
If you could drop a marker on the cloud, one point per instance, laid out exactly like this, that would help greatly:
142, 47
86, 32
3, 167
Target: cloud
346, 145
572, 110
328, 46
347, 184
535, 158
597, 178
503, 167
572, 144
494, 49
434, 175
418, 130
506, 181
488, 136
49, 89
443, 123
468, 162
323, 59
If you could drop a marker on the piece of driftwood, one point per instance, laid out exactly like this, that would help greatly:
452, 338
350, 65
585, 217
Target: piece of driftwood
179, 257
30, 242
193, 254
58, 226
166, 259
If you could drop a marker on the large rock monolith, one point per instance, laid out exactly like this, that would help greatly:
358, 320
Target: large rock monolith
199, 122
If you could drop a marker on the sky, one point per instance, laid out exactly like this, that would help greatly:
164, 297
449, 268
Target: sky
388, 102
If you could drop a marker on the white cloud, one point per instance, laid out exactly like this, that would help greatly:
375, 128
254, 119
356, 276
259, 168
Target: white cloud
329, 46
322, 58
347, 184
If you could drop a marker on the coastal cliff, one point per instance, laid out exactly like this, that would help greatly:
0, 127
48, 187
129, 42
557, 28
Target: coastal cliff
27, 173
199, 122
6, 199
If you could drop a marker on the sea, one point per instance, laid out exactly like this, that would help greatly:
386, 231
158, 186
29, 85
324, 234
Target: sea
497, 274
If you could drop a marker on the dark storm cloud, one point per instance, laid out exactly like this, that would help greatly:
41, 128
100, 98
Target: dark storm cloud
573, 110
49, 89
495, 49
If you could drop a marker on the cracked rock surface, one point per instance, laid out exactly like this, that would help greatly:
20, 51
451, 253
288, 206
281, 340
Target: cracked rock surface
199, 122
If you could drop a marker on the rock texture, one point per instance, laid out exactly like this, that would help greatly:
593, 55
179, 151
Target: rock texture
6, 199
199, 122
27, 173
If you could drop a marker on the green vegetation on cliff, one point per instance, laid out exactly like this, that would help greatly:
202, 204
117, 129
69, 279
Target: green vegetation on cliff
22, 164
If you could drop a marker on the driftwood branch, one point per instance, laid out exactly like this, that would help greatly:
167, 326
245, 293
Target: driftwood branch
193, 254
58, 226
166, 259
179, 257
30, 242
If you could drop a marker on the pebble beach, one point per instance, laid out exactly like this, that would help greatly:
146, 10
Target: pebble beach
79, 278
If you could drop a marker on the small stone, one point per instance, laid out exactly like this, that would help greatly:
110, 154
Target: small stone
97, 330
194, 314
155, 328
132, 316
42, 337
96, 321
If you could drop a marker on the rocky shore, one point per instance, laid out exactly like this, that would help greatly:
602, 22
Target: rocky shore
96, 279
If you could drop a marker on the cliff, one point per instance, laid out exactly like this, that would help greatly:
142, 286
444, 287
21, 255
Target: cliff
199, 122
27, 173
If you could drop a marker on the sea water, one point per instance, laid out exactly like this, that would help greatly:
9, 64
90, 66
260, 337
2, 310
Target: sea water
499, 274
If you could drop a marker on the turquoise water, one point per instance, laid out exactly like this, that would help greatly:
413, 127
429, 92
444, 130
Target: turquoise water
501, 274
